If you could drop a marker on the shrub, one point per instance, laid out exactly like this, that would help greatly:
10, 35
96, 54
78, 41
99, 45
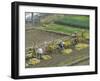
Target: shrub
30, 53
51, 47
67, 43
83, 36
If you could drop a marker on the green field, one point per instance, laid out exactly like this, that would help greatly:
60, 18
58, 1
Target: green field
74, 20
69, 24
62, 28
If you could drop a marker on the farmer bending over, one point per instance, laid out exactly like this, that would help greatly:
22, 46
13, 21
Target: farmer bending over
61, 45
39, 53
75, 39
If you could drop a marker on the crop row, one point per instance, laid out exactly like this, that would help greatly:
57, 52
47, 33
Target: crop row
78, 21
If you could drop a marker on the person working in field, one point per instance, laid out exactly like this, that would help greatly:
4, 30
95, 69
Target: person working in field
74, 38
61, 45
39, 52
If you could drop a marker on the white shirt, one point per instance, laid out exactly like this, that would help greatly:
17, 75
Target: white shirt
40, 50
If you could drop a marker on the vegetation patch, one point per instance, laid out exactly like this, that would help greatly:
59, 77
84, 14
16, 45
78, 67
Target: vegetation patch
46, 57
81, 46
51, 46
67, 43
62, 28
66, 51
30, 53
33, 61
78, 21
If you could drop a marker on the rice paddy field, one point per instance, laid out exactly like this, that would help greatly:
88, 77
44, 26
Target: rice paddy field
58, 28
69, 24
63, 28
72, 20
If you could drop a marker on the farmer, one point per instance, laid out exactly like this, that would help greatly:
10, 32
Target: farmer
75, 39
61, 45
39, 52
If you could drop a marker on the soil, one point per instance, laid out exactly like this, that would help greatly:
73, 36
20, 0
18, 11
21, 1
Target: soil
39, 36
58, 59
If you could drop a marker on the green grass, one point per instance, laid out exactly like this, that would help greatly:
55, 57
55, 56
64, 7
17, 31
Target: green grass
74, 20
62, 28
